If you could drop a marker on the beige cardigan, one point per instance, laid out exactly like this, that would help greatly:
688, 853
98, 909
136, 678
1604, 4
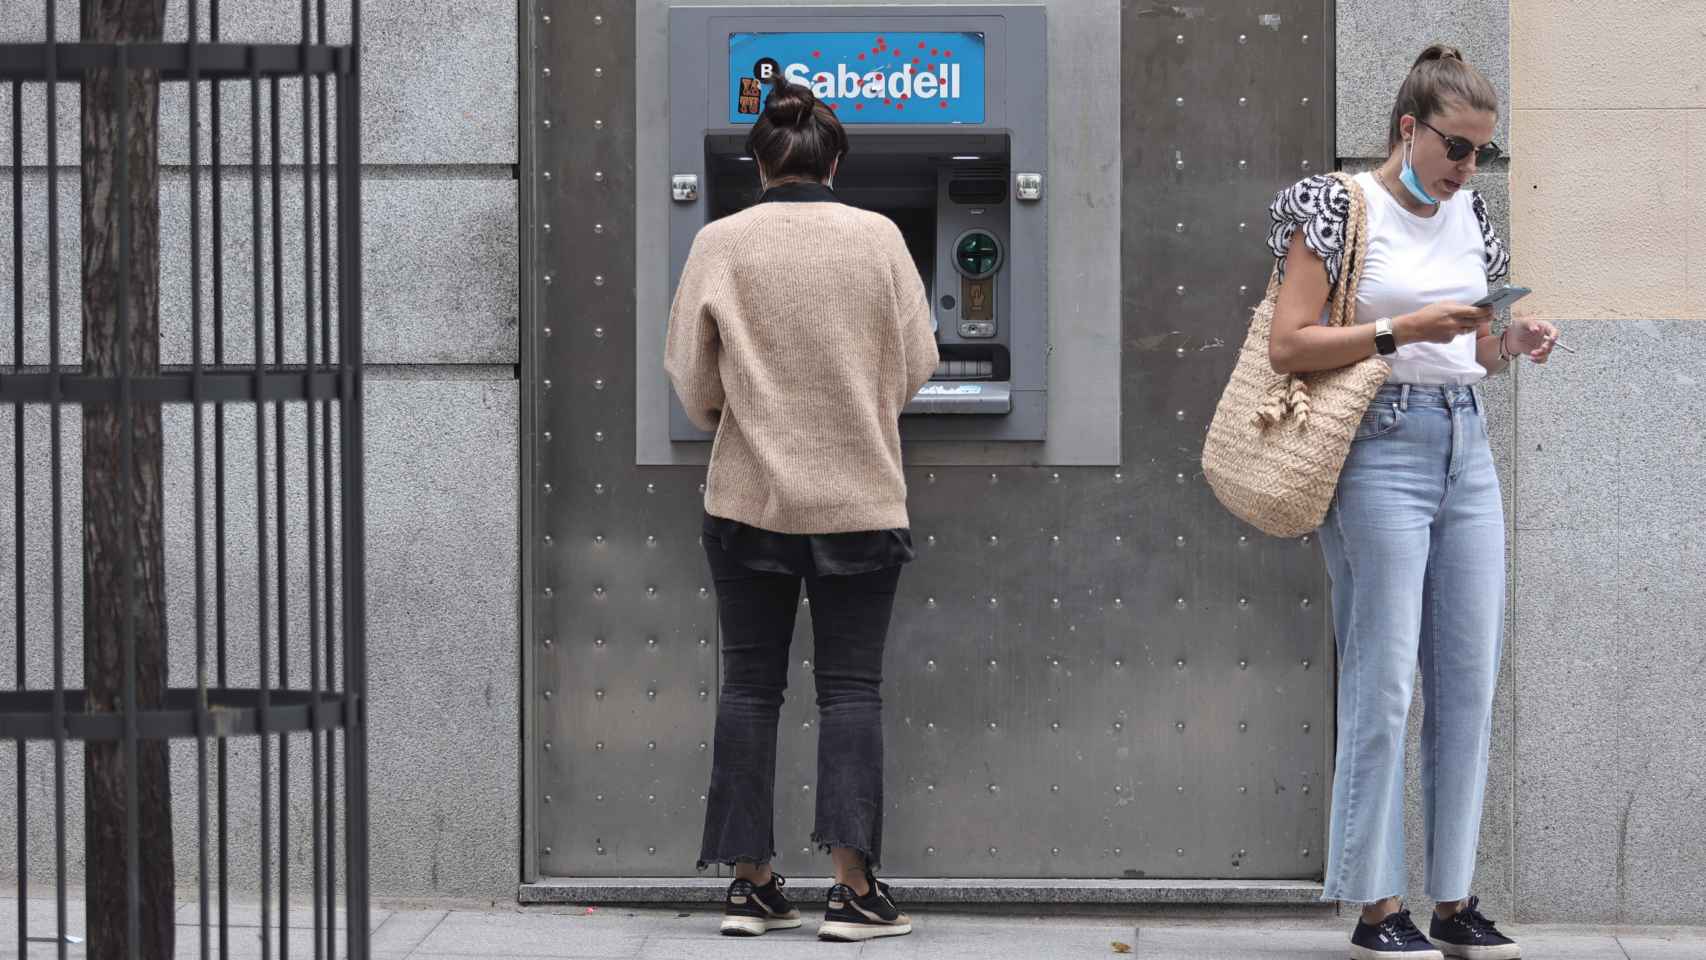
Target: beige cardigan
798, 332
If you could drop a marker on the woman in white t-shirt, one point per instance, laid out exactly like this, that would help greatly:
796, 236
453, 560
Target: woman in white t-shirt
1415, 537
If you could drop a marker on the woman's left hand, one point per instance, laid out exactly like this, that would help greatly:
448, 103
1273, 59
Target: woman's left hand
1533, 337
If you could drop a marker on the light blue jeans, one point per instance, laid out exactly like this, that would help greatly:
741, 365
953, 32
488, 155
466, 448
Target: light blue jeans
1415, 546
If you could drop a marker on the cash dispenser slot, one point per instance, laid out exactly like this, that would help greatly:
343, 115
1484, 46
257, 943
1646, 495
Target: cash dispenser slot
972, 378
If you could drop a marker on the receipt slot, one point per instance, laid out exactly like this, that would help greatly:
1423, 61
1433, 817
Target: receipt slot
945, 113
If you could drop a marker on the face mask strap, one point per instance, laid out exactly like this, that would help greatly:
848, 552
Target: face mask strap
1408, 174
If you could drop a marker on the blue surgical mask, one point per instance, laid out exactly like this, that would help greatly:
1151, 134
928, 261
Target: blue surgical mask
1408, 176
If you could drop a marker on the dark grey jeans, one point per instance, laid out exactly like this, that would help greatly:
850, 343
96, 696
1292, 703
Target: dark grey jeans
850, 620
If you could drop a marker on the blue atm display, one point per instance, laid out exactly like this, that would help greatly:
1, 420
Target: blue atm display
866, 78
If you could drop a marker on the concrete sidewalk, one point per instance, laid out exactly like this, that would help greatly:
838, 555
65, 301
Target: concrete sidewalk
504, 932
689, 935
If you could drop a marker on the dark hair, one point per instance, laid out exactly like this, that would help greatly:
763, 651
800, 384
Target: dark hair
797, 137
1439, 78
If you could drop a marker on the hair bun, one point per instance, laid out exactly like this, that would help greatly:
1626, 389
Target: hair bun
789, 104
1439, 51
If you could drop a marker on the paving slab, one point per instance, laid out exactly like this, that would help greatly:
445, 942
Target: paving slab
781, 945
1243, 943
519, 934
300, 916
404, 930
1680, 946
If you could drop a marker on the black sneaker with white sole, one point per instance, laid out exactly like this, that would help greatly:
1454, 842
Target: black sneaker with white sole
750, 910
1394, 938
1470, 936
852, 918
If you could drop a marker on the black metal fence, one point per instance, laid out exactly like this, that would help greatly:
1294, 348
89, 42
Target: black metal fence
311, 393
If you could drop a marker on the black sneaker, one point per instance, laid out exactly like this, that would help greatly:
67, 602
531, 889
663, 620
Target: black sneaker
750, 910
1396, 936
852, 918
1471, 936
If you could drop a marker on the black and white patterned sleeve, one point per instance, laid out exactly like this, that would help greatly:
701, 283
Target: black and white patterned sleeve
1495, 257
1321, 206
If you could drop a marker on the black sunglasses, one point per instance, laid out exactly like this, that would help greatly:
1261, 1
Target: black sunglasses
1456, 148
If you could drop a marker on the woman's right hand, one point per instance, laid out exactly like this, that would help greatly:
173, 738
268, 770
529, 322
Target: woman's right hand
1440, 322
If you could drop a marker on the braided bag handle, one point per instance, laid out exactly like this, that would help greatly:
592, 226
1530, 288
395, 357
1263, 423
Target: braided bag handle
1290, 396
1356, 246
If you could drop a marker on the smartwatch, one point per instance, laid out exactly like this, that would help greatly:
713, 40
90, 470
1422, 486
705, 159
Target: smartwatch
1385, 341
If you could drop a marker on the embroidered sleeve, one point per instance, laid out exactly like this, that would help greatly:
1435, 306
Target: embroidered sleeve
1321, 206
1495, 257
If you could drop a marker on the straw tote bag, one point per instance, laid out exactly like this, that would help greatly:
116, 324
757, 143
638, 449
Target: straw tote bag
1278, 442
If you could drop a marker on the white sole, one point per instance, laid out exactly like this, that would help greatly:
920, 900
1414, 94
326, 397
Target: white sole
1364, 953
855, 932
752, 926
1505, 951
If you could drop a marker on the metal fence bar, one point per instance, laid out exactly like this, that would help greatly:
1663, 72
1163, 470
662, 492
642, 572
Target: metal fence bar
350, 436
326, 499
312, 468
282, 562
235, 713
219, 512
198, 458
255, 213
344, 272
25, 60
18, 487
57, 484
217, 384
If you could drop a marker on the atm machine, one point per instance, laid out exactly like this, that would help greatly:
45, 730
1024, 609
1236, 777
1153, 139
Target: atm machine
945, 110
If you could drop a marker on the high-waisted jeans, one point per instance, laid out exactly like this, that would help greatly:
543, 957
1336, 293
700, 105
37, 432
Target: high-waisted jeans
1415, 546
850, 620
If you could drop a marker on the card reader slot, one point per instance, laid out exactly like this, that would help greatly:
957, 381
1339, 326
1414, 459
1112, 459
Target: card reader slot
973, 361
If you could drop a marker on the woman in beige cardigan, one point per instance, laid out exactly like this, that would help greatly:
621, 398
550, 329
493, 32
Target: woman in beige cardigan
799, 331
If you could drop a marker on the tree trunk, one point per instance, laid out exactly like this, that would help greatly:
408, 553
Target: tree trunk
122, 502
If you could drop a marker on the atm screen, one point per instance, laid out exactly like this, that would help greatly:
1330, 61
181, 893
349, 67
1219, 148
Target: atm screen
919, 228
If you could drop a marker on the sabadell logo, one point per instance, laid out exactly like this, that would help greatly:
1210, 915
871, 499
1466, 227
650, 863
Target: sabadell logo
943, 83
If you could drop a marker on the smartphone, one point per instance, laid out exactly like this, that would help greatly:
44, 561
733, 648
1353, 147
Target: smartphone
1503, 297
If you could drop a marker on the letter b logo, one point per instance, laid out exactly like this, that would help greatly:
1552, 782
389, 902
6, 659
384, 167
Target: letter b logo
767, 70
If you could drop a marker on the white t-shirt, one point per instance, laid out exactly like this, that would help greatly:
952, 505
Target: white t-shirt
1412, 261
